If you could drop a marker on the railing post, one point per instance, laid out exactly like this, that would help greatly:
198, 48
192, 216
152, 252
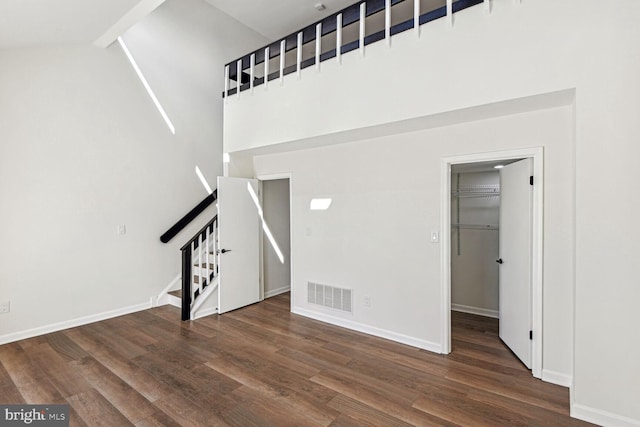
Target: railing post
215, 246
252, 71
318, 44
208, 249
239, 76
186, 283
283, 49
387, 21
226, 83
450, 12
416, 16
267, 53
299, 54
200, 249
363, 18
339, 38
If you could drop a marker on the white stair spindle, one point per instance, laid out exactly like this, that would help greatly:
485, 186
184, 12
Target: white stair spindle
416, 16
239, 75
363, 18
283, 47
226, 83
299, 55
193, 275
318, 44
216, 260
387, 21
252, 73
339, 38
207, 249
266, 66
450, 12
200, 250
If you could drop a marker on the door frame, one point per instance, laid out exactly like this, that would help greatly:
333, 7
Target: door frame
272, 177
537, 155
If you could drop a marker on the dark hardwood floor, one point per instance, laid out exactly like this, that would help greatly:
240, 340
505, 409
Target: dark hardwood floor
263, 366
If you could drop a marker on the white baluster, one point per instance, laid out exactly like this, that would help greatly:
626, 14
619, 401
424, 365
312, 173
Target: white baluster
416, 16
266, 66
216, 260
283, 48
193, 275
363, 18
207, 249
239, 75
226, 83
299, 54
252, 71
450, 12
200, 249
339, 38
387, 21
318, 44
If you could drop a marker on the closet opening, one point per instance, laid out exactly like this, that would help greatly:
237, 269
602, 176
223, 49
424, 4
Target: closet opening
492, 241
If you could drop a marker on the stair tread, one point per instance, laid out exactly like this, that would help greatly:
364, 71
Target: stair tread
177, 293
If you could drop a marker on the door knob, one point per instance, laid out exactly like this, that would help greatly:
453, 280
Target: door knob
499, 261
222, 251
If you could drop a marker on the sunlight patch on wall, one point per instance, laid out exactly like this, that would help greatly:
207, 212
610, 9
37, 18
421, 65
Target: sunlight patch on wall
146, 86
265, 226
203, 180
320, 204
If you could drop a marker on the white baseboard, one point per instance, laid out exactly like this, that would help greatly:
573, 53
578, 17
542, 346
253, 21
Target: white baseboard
476, 310
205, 312
274, 292
602, 418
557, 378
371, 330
55, 327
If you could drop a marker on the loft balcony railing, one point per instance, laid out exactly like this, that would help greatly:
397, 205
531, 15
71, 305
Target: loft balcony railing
351, 28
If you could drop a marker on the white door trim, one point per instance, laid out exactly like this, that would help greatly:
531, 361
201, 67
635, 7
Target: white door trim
537, 154
271, 177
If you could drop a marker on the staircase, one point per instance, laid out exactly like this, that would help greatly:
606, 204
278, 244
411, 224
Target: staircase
198, 279
199, 269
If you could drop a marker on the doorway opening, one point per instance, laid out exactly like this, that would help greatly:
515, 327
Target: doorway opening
473, 245
275, 245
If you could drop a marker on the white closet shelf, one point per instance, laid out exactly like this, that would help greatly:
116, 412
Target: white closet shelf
468, 191
476, 226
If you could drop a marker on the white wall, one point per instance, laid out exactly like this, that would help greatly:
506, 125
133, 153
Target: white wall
386, 200
474, 271
275, 205
84, 150
521, 49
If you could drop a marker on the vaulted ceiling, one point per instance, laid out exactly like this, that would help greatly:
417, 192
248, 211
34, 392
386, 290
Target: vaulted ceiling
28, 23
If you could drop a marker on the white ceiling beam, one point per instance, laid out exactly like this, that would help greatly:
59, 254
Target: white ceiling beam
128, 20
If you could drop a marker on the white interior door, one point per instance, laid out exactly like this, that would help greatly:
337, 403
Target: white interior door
516, 201
238, 240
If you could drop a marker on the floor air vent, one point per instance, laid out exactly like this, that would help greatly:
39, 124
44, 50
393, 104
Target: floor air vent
329, 296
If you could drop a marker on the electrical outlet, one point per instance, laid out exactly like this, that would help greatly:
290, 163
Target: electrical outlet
5, 306
122, 229
367, 301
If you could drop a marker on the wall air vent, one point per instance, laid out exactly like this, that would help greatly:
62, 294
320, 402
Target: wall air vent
329, 296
